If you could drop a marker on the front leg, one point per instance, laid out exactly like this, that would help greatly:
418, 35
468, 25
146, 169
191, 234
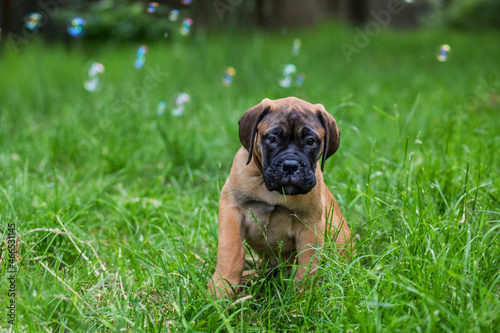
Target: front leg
231, 251
307, 242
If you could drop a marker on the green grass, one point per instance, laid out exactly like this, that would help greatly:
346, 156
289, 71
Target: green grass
121, 203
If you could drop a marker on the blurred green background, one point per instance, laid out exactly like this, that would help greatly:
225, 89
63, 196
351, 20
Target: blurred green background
117, 135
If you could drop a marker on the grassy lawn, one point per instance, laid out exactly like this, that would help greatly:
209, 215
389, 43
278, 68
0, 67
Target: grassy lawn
115, 206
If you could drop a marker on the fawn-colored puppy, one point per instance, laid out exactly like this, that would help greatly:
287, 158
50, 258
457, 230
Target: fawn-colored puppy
275, 197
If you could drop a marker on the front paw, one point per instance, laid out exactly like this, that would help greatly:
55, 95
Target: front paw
221, 288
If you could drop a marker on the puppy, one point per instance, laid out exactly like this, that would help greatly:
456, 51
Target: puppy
275, 197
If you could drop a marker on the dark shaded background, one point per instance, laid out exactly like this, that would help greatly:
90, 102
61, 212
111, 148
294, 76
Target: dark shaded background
112, 19
265, 14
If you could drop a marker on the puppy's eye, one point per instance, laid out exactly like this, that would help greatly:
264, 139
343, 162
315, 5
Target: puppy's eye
311, 142
272, 139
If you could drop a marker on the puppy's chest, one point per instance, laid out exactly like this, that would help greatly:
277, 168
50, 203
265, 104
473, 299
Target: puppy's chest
269, 226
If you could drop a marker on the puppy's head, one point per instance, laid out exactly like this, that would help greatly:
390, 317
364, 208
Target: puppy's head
287, 137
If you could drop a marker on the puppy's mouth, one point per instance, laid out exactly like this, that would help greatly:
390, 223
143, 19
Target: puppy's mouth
289, 176
293, 190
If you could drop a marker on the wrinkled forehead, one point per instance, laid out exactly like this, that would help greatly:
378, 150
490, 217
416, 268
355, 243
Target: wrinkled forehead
291, 121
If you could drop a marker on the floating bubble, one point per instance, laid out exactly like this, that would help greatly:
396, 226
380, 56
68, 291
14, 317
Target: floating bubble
33, 21
94, 72
230, 71
76, 27
289, 69
96, 68
228, 79
142, 50
300, 79
296, 46
152, 7
186, 26
162, 106
181, 99
228, 76
289, 76
174, 15
186, 2
140, 56
139, 62
178, 111
165, 34
286, 82
443, 52
91, 84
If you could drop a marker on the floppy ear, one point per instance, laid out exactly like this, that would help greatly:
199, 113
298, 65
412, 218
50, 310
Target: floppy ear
332, 133
248, 125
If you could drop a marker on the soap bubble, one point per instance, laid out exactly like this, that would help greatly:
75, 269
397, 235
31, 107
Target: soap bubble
296, 46
33, 21
230, 71
180, 99
227, 80
178, 111
186, 26
91, 84
300, 79
174, 15
286, 81
76, 27
152, 7
161, 108
186, 2
140, 56
228, 76
443, 52
96, 68
289, 69
94, 72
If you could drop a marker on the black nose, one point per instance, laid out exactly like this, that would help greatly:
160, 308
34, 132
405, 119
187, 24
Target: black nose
290, 166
